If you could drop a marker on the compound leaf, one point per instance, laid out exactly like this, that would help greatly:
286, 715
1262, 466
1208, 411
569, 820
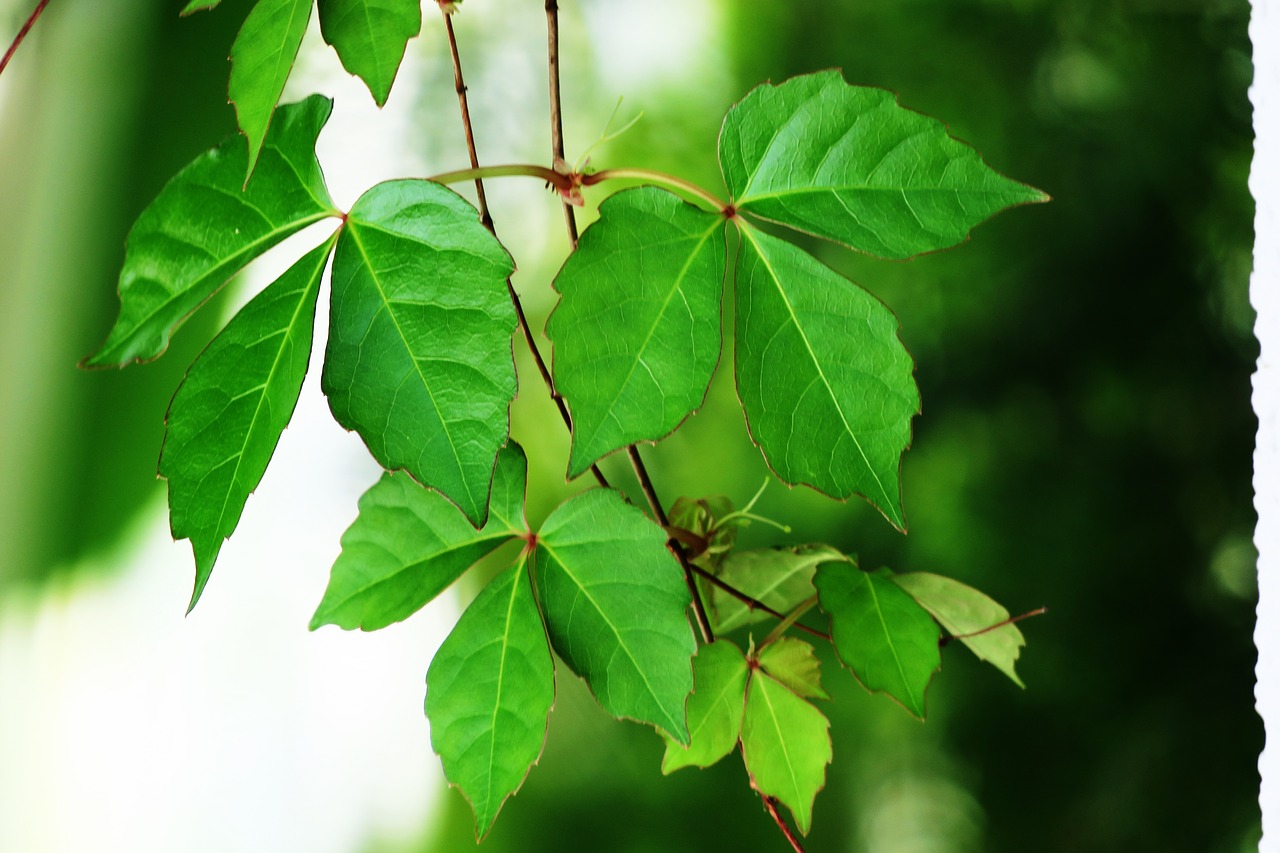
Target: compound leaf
826, 385
370, 37
778, 577
849, 164
637, 329
615, 605
227, 415
419, 358
715, 708
261, 58
785, 746
408, 544
879, 632
203, 227
969, 616
793, 663
490, 689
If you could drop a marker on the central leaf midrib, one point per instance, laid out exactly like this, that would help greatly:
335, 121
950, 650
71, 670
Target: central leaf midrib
502, 669
782, 741
875, 603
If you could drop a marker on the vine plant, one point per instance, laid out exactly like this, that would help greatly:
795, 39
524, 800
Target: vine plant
419, 362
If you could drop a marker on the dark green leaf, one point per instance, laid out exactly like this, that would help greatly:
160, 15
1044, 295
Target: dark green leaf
198, 6
419, 356
965, 612
370, 37
261, 59
637, 329
847, 163
889, 641
715, 708
824, 380
408, 544
785, 746
778, 577
489, 692
615, 603
203, 227
792, 662
228, 413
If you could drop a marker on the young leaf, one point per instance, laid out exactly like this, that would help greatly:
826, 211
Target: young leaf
203, 227
370, 37
847, 163
408, 544
637, 329
792, 662
261, 59
419, 358
778, 577
785, 746
889, 641
490, 689
227, 415
963, 610
701, 517
615, 604
825, 382
198, 6
715, 708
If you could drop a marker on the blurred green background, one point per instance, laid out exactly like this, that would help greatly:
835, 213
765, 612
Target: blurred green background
1086, 437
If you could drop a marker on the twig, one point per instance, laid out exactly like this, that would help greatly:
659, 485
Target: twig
22, 33
755, 604
487, 219
772, 805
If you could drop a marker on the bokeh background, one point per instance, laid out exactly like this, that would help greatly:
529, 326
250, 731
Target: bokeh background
1085, 443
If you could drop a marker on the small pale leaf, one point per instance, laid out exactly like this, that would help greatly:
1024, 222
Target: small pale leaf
408, 544
490, 689
616, 604
785, 746
879, 632
826, 385
715, 708
963, 610
370, 37
778, 577
792, 662
198, 6
637, 329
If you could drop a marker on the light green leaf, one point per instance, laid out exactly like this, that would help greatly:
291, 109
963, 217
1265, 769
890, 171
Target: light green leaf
715, 708
227, 415
419, 358
203, 227
847, 163
889, 641
261, 59
637, 329
826, 385
198, 6
490, 689
408, 544
965, 612
792, 662
778, 577
370, 37
785, 746
615, 603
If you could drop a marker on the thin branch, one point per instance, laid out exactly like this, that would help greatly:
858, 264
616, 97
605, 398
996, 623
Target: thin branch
557, 121
22, 33
1039, 611
487, 219
753, 603
771, 804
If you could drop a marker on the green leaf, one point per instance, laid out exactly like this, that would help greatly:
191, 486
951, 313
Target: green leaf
615, 603
847, 163
889, 641
370, 37
198, 6
637, 329
408, 544
792, 662
261, 58
825, 382
701, 516
778, 577
419, 356
203, 227
715, 708
963, 610
490, 689
227, 415
785, 746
